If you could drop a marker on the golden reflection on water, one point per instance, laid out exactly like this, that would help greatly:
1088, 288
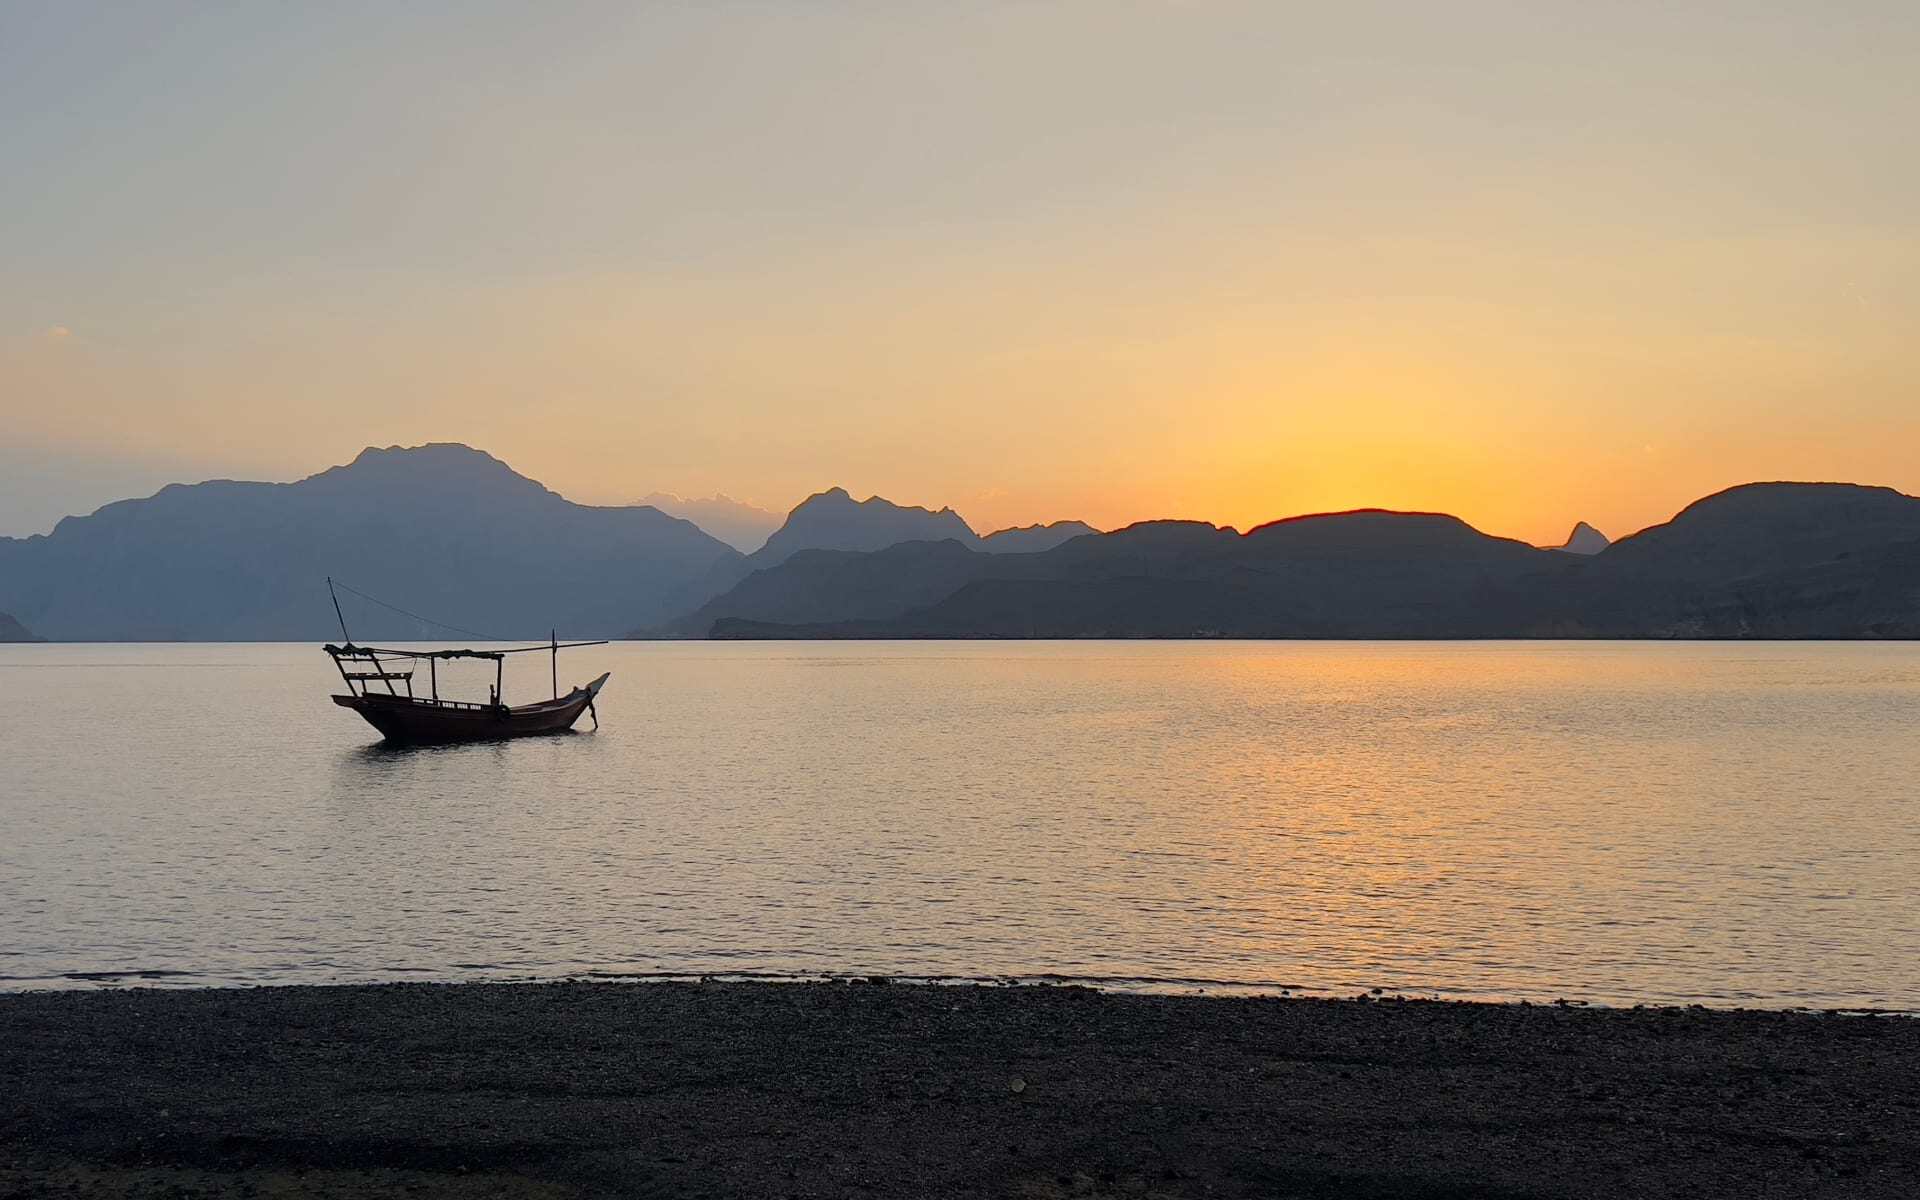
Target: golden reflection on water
1608, 821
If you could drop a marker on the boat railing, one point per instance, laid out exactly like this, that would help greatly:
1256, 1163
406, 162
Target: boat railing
434, 702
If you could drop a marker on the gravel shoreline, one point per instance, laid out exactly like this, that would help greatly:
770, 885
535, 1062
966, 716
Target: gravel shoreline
755, 1089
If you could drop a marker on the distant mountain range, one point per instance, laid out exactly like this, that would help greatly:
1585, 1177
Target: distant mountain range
455, 535
740, 525
832, 527
834, 520
440, 530
11, 630
1783, 560
1032, 539
444, 531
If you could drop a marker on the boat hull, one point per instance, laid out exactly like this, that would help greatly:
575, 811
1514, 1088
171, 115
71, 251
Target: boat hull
404, 720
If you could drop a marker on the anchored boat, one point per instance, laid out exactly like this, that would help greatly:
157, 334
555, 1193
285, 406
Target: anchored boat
415, 719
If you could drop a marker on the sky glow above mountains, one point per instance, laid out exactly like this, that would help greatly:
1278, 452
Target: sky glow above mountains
1523, 263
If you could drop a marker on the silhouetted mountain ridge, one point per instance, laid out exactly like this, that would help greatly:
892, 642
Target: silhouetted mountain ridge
1032, 539
1773, 560
1369, 573
1757, 526
442, 529
457, 534
834, 520
11, 630
1789, 560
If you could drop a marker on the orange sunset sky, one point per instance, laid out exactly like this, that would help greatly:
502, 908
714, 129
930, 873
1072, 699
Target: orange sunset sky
1527, 263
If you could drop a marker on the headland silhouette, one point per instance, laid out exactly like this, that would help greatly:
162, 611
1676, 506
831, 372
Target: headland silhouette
467, 535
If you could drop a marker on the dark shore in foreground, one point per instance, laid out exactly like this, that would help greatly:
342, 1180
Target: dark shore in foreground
741, 1089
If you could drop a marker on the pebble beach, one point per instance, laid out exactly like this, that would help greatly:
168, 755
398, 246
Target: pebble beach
877, 1089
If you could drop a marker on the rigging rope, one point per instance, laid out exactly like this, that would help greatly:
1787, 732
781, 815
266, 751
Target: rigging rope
485, 637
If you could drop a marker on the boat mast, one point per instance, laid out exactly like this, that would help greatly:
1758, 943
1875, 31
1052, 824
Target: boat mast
555, 636
337, 664
336, 612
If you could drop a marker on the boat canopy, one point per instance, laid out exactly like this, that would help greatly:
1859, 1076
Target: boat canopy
352, 651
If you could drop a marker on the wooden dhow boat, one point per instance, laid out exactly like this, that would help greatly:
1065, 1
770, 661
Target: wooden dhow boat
413, 719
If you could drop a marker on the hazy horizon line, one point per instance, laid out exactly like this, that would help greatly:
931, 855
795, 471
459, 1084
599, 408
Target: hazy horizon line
779, 516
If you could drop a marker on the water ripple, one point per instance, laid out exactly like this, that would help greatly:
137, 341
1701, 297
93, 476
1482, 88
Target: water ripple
1615, 823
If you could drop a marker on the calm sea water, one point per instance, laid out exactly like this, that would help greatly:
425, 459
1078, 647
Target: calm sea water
1728, 824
